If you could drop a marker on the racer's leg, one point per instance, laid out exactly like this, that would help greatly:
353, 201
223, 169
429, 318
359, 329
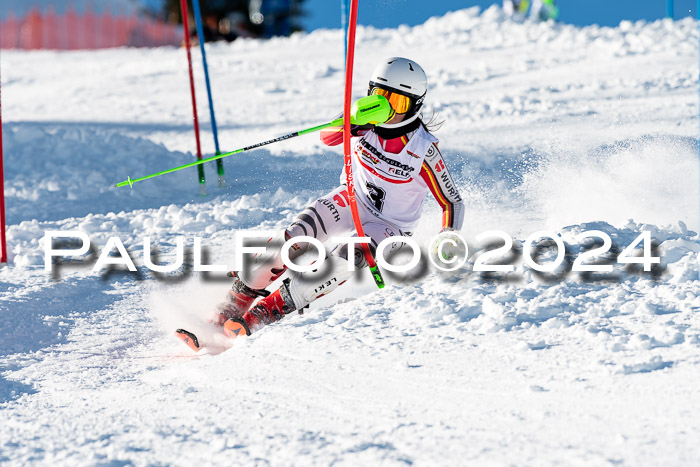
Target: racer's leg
328, 216
300, 289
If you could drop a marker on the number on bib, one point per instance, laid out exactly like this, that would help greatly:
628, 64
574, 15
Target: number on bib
376, 196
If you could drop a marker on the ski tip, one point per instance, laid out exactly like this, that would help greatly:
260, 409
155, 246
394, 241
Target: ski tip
188, 338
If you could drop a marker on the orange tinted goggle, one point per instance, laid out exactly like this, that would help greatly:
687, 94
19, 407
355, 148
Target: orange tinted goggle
398, 102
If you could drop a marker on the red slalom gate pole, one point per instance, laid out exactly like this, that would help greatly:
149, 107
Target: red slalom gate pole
3, 243
200, 168
350, 57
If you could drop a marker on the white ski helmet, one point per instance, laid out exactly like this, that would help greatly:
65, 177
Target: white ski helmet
401, 76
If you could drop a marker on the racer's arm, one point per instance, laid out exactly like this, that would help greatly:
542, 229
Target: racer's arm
443, 188
333, 136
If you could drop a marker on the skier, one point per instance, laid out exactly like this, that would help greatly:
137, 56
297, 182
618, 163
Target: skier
394, 164
544, 10
516, 7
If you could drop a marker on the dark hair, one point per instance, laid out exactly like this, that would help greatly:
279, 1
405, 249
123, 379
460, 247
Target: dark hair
433, 124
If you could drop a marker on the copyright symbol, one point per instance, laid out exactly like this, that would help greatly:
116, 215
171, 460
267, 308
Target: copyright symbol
450, 249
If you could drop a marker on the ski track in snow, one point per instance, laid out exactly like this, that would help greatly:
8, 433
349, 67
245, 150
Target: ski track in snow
546, 127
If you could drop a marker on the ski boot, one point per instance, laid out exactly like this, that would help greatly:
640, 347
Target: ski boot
238, 300
272, 308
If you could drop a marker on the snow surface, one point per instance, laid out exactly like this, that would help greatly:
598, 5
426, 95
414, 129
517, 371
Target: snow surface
546, 127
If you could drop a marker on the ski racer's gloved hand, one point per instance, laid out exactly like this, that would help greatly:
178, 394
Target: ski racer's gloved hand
448, 245
334, 136
356, 130
372, 109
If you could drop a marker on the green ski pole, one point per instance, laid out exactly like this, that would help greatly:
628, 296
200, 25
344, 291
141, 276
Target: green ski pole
370, 109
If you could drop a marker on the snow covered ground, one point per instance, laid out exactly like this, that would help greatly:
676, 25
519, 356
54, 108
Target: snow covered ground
546, 127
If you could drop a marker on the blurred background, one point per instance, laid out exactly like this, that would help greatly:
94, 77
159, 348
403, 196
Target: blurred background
90, 24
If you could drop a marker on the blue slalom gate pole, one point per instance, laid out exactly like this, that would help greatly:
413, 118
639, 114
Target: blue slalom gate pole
200, 33
669, 8
344, 16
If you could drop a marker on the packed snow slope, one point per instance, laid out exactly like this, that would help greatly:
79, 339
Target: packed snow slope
546, 127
